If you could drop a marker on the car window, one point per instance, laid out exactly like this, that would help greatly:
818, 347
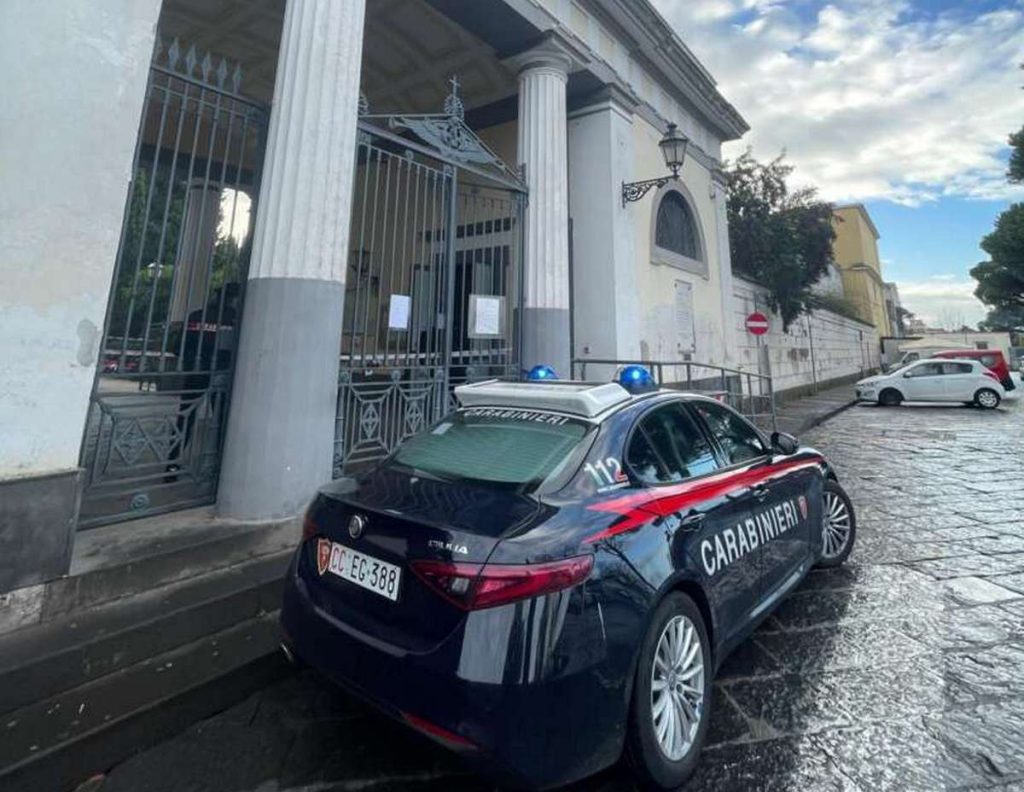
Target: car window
957, 368
502, 447
668, 446
739, 440
926, 370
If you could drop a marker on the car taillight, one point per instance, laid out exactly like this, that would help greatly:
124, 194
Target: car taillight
309, 528
478, 586
990, 375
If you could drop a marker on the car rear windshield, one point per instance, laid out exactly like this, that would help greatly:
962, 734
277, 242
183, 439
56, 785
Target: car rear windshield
496, 446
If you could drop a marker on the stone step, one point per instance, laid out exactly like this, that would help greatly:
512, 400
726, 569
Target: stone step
56, 743
114, 572
42, 660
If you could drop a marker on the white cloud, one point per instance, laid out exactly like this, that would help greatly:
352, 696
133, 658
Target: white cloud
943, 299
870, 99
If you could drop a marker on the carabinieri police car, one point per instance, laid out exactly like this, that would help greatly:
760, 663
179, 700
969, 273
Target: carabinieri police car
552, 574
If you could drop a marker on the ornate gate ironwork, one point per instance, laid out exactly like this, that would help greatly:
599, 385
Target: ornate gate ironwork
156, 419
434, 289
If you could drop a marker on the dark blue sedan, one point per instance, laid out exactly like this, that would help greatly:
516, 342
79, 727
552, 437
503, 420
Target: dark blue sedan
551, 575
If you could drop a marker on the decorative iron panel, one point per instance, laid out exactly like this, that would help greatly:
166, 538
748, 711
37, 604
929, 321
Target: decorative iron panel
158, 410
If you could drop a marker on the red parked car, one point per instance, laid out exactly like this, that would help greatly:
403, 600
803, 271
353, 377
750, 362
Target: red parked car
992, 359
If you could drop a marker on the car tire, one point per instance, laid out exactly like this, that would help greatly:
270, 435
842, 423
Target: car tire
665, 762
987, 398
838, 526
890, 397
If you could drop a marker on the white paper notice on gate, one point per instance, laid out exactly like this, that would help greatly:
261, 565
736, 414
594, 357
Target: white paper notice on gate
485, 314
398, 312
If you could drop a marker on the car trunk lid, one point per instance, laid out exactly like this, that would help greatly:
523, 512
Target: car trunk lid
406, 518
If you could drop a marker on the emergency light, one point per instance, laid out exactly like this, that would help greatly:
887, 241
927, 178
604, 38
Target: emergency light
542, 373
636, 379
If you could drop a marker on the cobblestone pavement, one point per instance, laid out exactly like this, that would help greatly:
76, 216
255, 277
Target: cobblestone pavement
903, 670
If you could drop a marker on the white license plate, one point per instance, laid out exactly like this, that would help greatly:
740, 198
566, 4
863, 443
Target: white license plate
364, 570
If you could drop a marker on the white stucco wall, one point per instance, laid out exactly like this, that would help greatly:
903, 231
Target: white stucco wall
74, 80
659, 332
602, 44
835, 346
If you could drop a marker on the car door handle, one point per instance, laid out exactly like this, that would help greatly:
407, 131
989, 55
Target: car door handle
692, 521
761, 491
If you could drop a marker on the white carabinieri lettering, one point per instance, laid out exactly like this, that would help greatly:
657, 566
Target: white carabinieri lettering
517, 415
728, 546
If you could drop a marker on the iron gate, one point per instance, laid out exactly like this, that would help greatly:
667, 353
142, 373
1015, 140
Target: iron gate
434, 289
157, 414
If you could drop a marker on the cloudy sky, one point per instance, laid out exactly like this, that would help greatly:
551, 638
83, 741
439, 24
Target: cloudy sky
904, 105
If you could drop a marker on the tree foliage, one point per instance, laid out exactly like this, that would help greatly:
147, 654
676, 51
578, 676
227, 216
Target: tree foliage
779, 238
1015, 173
1003, 320
148, 250
836, 303
148, 255
904, 318
1001, 278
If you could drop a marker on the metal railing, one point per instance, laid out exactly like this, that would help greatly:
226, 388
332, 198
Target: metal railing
158, 406
747, 392
434, 244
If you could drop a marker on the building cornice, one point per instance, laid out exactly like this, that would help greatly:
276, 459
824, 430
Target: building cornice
863, 213
861, 266
562, 40
659, 49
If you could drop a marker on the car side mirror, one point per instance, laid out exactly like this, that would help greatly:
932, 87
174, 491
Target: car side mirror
907, 375
784, 443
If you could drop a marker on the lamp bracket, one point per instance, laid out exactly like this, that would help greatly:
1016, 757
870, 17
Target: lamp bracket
634, 191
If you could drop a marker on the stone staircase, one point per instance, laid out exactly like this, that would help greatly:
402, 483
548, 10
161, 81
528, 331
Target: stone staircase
151, 632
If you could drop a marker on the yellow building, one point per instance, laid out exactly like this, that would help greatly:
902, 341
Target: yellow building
856, 253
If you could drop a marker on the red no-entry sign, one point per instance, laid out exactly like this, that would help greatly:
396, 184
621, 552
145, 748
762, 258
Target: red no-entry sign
757, 323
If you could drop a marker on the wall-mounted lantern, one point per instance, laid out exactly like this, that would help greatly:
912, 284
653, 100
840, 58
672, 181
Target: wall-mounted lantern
673, 149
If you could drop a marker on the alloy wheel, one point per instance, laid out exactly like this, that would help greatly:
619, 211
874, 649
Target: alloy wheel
988, 399
677, 687
836, 530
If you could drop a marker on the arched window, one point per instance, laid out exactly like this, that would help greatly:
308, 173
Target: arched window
675, 228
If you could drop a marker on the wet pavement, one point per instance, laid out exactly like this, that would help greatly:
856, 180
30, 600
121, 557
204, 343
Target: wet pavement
904, 670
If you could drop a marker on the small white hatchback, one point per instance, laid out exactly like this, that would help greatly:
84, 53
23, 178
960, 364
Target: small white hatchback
964, 381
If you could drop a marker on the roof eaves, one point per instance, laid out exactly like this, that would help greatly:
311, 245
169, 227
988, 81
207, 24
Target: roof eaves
666, 50
864, 213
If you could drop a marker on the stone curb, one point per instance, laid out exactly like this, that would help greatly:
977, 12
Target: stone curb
818, 420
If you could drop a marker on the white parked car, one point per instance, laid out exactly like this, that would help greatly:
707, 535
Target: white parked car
965, 381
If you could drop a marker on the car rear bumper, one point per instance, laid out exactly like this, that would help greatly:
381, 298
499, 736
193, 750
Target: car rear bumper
529, 727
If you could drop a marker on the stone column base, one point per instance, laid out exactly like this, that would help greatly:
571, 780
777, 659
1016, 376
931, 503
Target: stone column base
280, 440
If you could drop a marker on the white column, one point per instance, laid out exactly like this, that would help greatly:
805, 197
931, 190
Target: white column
543, 74
198, 231
729, 356
280, 439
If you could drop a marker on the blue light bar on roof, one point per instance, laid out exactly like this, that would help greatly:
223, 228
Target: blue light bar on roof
542, 373
636, 379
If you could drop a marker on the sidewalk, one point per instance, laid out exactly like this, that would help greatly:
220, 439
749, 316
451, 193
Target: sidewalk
800, 415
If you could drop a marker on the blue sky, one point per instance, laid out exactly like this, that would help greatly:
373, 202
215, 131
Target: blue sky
904, 105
